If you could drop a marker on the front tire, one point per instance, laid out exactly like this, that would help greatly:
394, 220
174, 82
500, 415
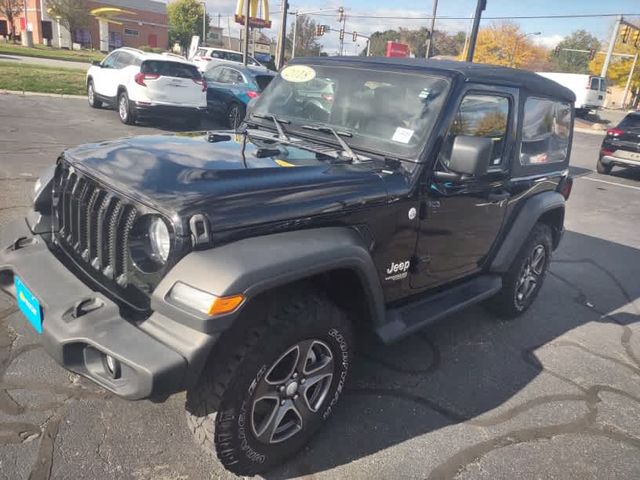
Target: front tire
602, 168
91, 95
277, 388
523, 281
125, 112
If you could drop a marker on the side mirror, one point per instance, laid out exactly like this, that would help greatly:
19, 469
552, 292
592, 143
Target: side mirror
470, 156
96, 63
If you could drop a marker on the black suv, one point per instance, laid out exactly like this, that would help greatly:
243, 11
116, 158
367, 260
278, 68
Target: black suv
621, 145
240, 266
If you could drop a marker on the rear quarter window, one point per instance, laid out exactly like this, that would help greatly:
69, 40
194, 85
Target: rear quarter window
170, 69
630, 122
546, 130
263, 81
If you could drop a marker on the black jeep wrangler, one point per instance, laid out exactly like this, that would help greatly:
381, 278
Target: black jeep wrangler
360, 194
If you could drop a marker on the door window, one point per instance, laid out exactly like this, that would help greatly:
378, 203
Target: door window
124, 60
479, 115
110, 61
545, 131
595, 84
214, 74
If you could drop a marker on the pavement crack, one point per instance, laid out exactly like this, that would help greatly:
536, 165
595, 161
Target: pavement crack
41, 469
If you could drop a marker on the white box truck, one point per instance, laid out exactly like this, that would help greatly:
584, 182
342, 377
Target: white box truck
590, 90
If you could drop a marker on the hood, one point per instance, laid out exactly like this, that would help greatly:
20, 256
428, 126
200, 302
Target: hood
187, 174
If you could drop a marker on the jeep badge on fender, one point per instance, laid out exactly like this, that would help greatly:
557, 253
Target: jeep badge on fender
222, 263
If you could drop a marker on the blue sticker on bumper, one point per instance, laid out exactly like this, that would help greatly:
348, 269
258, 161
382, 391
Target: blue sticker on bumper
28, 304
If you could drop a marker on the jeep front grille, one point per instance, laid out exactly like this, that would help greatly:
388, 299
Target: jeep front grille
94, 227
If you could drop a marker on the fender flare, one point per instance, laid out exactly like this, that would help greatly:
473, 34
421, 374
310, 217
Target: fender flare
524, 222
255, 265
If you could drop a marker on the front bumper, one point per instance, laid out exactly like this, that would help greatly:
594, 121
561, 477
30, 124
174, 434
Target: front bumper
611, 160
78, 335
158, 110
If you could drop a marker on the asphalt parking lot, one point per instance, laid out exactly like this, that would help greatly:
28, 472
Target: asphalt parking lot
554, 394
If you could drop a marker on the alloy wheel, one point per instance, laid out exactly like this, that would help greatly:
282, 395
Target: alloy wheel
292, 391
90, 93
530, 275
122, 108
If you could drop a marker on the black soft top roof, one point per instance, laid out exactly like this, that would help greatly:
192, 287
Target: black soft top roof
471, 72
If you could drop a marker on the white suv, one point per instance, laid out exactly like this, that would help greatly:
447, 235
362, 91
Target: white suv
206, 57
144, 84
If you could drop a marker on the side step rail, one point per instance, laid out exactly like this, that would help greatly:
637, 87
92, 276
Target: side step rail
404, 320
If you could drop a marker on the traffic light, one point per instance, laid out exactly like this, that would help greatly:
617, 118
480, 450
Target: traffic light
355, 36
320, 30
340, 14
592, 54
342, 34
556, 51
624, 33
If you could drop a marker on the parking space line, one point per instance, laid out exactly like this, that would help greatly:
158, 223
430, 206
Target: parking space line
608, 183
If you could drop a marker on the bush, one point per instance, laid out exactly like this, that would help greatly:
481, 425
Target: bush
147, 48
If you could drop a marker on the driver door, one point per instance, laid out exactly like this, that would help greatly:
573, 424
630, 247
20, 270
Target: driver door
461, 219
106, 75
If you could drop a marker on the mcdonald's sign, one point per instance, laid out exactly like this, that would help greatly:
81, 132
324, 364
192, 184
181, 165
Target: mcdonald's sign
254, 20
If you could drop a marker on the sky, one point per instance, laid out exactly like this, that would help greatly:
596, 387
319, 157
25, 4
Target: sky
551, 30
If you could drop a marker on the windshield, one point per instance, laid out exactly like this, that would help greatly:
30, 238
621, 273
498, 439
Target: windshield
390, 112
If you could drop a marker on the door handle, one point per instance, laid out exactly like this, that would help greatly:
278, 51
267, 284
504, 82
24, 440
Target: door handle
498, 197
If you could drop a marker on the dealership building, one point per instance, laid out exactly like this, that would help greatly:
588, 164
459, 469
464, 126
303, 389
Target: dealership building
112, 24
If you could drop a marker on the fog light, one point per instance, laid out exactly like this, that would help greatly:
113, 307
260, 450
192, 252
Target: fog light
112, 366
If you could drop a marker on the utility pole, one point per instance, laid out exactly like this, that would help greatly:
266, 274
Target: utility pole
612, 43
480, 6
433, 24
295, 34
283, 34
204, 22
247, 12
342, 18
626, 88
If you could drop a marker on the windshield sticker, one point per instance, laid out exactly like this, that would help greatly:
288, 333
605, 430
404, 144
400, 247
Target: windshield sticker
402, 135
298, 73
424, 93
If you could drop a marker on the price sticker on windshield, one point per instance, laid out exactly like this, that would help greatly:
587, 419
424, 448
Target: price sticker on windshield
298, 73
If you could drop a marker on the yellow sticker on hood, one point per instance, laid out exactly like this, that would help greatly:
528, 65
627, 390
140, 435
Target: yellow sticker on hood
298, 73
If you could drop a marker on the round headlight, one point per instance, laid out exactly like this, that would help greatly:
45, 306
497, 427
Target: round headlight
159, 239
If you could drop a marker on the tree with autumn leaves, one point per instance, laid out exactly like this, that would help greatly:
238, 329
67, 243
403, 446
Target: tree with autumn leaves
507, 45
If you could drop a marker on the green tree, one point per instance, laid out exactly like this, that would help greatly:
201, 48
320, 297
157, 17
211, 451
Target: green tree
379, 42
185, 21
73, 14
10, 9
306, 41
444, 43
575, 62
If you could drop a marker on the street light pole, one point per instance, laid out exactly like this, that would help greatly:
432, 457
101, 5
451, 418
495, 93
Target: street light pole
612, 42
628, 85
433, 24
283, 34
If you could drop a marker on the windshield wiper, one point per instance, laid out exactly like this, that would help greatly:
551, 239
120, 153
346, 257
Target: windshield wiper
351, 155
277, 122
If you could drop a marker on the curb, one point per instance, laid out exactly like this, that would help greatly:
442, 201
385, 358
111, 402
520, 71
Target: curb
39, 94
589, 131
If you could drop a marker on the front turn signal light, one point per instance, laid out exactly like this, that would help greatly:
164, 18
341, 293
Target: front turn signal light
207, 303
223, 305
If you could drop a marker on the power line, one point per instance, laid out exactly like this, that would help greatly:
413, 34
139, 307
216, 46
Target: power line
518, 17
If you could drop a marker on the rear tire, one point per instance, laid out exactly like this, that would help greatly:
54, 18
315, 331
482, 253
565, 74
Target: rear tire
602, 168
523, 281
265, 399
125, 112
235, 115
91, 96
